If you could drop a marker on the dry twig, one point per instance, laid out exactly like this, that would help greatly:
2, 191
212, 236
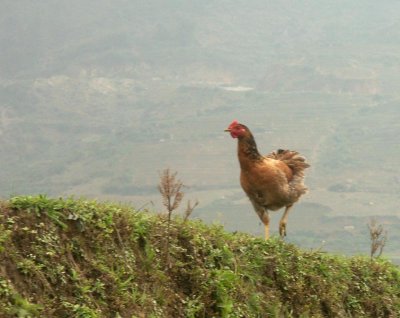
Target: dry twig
170, 189
189, 209
171, 192
378, 237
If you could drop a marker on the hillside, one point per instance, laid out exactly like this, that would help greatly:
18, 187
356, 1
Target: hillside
78, 258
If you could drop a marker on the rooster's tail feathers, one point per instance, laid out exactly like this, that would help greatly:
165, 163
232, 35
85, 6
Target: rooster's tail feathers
293, 160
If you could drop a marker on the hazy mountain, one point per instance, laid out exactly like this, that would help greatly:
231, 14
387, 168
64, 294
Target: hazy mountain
96, 97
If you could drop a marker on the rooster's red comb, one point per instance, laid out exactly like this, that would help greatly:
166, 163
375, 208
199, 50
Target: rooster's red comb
233, 123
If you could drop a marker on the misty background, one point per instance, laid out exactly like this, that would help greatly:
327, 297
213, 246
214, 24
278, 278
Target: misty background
98, 97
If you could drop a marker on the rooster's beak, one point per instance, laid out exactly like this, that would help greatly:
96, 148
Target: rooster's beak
227, 130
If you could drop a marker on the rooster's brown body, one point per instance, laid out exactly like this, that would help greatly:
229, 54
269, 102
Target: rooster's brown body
271, 182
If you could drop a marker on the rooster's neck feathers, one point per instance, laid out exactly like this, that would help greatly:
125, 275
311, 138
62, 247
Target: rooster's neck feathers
247, 148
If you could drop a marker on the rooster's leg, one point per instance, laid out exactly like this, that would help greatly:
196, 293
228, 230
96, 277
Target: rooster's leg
263, 215
265, 220
283, 221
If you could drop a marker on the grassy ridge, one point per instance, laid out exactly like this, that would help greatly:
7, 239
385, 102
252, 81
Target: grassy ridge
77, 258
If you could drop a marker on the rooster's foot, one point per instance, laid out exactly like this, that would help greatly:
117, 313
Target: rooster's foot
282, 230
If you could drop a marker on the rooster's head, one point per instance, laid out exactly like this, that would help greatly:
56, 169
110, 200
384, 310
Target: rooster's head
237, 130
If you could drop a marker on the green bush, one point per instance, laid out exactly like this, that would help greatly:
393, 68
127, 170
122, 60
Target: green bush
79, 258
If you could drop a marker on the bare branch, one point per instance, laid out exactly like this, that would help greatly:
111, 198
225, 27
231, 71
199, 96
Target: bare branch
189, 209
172, 195
170, 189
378, 237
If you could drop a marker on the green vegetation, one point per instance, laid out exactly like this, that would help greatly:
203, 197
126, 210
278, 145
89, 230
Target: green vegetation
79, 258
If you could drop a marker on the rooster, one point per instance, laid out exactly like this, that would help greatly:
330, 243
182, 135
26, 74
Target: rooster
271, 182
